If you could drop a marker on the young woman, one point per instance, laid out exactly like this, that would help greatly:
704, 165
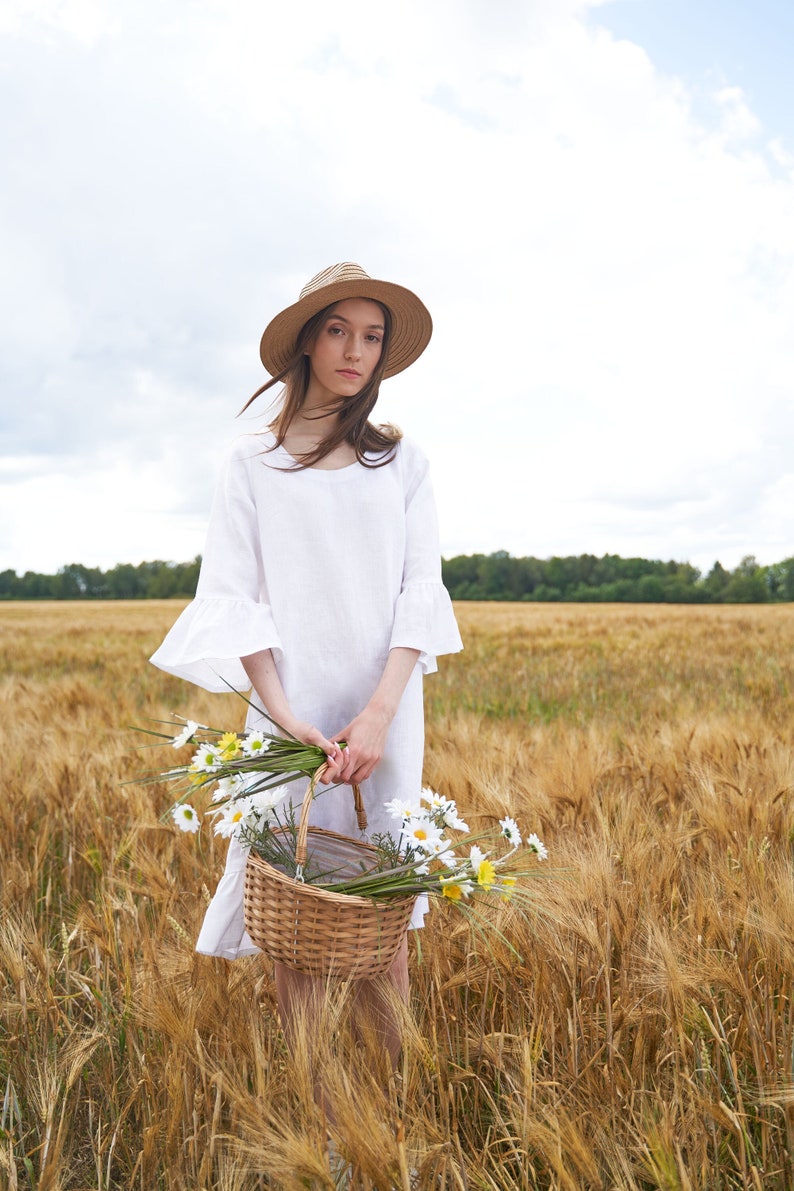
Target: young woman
320, 586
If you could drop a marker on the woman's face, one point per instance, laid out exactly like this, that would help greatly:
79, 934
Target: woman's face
346, 349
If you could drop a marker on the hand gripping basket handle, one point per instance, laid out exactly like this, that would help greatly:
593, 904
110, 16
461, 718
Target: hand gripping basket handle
301, 846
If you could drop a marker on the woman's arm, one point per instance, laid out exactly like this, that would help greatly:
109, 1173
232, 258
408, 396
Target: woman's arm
262, 672
366, 734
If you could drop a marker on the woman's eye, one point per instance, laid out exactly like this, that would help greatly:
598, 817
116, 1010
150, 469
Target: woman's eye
374, 338
334, 330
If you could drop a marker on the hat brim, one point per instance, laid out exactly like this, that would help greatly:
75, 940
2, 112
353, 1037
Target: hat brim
412, 325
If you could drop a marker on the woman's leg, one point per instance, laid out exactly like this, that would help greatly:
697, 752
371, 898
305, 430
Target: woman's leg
374, 1005
302, 1006
300, 999
303, 1003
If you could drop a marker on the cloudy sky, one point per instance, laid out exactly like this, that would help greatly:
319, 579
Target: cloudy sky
596, 201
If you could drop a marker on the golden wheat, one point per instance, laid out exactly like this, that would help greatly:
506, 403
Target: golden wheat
635, 1031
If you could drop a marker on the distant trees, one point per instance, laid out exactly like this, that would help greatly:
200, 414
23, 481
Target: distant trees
612, 579
583, 578
146, 581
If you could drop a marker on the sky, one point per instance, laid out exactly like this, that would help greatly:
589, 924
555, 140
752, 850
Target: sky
594, 199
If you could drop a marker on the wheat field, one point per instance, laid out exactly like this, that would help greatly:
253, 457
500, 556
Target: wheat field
637, 1032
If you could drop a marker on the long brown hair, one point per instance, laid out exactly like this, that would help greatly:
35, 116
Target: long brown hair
353, 426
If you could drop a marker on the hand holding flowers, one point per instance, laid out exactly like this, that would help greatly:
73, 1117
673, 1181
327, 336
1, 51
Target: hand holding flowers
244, 767
432, 851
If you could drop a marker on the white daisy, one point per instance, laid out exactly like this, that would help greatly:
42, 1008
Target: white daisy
510, 831
537, 846
254, 744
446, 809
229, 787
186, 818
231, 818
476, 857
455, 887
401, 808
184, 736
439, 849
206, 759
264, 801
422, 833
433, 799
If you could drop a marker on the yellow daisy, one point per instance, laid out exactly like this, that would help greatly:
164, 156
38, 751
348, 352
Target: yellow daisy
228, 746
486, 874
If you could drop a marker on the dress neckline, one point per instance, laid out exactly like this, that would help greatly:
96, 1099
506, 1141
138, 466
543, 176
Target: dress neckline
347, 470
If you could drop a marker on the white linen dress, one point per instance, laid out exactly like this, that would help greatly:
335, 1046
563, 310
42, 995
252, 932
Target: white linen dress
329, 570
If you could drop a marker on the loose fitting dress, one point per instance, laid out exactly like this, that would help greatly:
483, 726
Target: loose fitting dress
329, 570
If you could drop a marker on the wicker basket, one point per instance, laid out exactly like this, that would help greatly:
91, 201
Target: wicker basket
317, 931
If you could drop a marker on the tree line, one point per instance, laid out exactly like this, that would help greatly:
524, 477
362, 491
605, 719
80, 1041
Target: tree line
583, 578
144, 581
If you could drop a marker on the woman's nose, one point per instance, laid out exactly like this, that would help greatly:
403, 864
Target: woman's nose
353, 347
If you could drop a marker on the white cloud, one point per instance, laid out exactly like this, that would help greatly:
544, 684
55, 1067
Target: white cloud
84, 21
610, 273
738, 122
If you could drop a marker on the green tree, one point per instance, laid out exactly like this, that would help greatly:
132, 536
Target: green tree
747, 584
9, 585
780, 579
716, 582
650, 589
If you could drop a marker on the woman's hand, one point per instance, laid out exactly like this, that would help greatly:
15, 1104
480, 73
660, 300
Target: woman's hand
365, 736
365, 740
308, 734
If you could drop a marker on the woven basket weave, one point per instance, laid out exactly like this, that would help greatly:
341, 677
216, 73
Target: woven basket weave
317, 931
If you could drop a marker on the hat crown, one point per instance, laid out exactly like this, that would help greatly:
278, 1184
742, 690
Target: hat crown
347, 271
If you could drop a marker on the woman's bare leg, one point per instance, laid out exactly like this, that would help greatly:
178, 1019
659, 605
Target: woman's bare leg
300, 999
373, 1003
303, 1001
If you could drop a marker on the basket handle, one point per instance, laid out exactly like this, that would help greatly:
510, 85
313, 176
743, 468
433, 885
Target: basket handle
301, 846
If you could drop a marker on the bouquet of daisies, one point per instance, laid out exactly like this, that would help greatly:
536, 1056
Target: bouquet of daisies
437, 853
247, 770
431, 850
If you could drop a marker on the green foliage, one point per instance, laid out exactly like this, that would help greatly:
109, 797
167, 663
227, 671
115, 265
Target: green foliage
611, 579
146, 581
582, 579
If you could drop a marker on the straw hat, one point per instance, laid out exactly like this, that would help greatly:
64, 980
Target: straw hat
411, 322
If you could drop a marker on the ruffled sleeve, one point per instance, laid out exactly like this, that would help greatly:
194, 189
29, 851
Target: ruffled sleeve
423, 615
230, 616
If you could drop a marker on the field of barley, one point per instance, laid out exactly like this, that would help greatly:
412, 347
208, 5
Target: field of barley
637, 1033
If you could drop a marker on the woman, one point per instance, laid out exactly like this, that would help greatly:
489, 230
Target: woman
320, 585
